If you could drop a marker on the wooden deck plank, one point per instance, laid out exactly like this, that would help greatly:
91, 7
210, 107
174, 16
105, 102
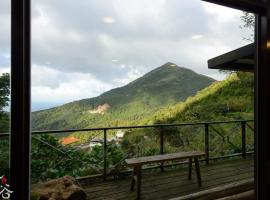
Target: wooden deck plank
173, 182
116, 188
174, 189
177, 184
165, 180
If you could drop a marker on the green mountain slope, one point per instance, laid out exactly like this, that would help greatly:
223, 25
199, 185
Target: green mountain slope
231, 99
130, 104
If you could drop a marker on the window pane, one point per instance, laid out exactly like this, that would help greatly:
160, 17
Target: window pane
5, 43
124, 63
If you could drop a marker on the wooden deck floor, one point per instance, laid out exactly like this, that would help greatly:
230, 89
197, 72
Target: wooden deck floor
173, 183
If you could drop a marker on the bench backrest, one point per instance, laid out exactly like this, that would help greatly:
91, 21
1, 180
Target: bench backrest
164, 157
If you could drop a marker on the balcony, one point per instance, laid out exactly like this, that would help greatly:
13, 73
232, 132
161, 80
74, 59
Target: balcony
228, 147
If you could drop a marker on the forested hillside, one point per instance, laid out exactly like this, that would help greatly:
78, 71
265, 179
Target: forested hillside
231, 99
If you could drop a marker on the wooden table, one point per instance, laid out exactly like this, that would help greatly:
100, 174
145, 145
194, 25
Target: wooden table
137, 164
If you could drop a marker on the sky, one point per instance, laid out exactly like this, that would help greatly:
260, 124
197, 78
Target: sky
81, 49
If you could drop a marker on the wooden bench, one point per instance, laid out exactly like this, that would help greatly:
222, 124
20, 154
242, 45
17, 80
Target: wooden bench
137, 164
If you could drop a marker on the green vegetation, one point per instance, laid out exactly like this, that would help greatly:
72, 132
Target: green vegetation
4, 156
231, 99
4, 123
66, 160
4, 98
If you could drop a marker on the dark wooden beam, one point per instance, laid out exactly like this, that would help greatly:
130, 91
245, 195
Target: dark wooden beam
20, 100
237, 67
262, 105
254, 6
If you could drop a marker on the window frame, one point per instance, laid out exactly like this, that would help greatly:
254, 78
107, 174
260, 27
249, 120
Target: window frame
21, 94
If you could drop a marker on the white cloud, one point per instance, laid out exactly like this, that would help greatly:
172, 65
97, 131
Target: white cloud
221, 13
218, 76
51, 85
132, 74
108, 20
4, 70
81, 49
196, 37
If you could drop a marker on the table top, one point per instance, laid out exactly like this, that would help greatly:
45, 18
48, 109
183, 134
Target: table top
164, 157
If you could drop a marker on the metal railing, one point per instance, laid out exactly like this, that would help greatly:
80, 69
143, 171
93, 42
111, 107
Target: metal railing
162, 133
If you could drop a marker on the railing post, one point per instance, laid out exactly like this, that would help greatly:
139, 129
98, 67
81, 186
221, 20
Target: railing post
206, 142
105, 155
244, 139
161, 146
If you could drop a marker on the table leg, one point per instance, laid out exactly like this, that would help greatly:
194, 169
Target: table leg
189, 168
197, 166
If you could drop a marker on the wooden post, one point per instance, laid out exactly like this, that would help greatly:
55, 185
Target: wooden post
243, 139
20, 128
139, 181
161, 146
105, 155
206, 143
262, 109
189, 168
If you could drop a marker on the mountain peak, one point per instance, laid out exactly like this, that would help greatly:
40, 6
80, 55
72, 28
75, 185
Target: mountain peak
169, 67
170, 74
169, 64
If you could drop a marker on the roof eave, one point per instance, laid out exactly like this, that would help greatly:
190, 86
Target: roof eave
241, 59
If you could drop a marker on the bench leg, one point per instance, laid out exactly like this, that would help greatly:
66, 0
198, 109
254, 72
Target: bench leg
197, 166
189, 168
133, 179
136, 178
161, 167
132, 184
139, 180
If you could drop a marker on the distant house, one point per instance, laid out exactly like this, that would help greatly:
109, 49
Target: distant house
69, 140
120, 135
95, 142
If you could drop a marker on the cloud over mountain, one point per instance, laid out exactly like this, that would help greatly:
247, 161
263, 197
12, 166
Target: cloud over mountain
114, 42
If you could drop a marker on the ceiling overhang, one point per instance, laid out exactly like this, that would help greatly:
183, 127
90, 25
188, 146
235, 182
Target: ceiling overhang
242, 59
254, 6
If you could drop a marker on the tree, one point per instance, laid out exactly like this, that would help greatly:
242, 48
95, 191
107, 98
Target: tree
248, 20
4, 90
4, 99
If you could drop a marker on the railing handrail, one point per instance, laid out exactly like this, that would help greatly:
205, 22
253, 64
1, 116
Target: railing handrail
130, 127
105, 129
